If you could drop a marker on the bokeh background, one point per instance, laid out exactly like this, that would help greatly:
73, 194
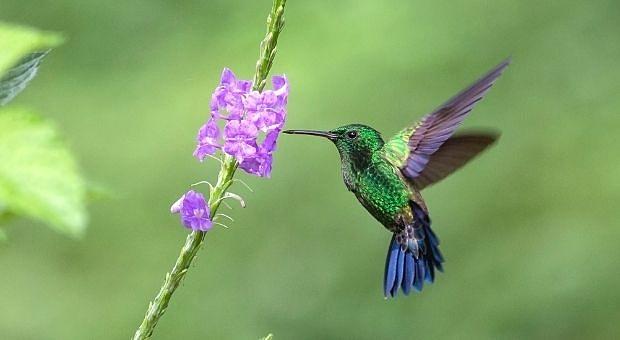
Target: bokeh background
530, 230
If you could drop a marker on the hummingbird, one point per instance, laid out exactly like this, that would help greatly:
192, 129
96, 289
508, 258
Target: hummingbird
387, 177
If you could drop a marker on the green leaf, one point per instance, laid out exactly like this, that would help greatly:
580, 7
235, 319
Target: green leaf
268, 337
21, 52
38, 175
16, 42
17, 78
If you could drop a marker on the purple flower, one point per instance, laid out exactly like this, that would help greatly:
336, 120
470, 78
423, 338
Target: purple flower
267, 110
240, 139
259, 165
208, 139
194, 211
249, 116
269, 144
228, 96
176, 206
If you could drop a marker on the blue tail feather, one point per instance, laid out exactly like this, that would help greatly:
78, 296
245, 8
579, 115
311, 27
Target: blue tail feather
409, 273
399, 272
390, 267
418, 282
403, 269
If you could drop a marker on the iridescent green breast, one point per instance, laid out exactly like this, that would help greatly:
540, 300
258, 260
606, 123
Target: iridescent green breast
382, 192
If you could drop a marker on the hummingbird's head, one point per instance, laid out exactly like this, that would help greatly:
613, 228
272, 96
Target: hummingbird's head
355, 142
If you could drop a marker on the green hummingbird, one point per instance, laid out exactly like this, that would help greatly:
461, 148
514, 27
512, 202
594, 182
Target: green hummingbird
387, 177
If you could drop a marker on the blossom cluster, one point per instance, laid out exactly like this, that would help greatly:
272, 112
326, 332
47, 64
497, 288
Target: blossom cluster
252, 122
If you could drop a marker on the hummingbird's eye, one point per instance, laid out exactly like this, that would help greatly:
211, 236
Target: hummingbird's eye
352, 134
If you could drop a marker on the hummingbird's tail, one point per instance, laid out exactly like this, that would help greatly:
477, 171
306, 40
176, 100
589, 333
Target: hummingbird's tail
410, 264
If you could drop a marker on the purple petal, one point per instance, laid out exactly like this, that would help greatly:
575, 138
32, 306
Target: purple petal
208, 139
209, 130
269, 98
269, 144
240, 150
240, 130
244, 86
252, 101
202, 151
227, 98
280, 87
259, 165
240, 136
176, 206
228, 78
194, 211
279, 82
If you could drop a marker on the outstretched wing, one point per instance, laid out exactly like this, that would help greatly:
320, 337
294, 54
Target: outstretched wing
412, 148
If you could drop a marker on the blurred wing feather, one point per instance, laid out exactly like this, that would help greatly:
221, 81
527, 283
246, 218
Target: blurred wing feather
411, 149
452, 155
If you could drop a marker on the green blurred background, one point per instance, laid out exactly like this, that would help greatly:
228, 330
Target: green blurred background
530, 230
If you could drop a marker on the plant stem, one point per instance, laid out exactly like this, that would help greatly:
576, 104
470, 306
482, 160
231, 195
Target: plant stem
275, 24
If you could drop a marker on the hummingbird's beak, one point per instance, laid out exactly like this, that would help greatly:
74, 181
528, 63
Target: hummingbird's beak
328, 135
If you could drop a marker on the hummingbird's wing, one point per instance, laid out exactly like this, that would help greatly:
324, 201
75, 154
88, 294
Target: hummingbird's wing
455, 152
411, 149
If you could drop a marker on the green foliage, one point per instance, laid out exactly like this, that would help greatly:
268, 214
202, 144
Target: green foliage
18, 77
17, 42
38, 175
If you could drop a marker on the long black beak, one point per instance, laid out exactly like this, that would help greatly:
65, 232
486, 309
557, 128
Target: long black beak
328, 135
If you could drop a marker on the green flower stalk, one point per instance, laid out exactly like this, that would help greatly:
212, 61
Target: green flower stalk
258, 163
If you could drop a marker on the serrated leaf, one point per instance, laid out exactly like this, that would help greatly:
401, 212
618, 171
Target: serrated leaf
38, 175
16, 42
17, 78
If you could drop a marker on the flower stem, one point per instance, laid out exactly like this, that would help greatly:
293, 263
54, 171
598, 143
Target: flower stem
275, 24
